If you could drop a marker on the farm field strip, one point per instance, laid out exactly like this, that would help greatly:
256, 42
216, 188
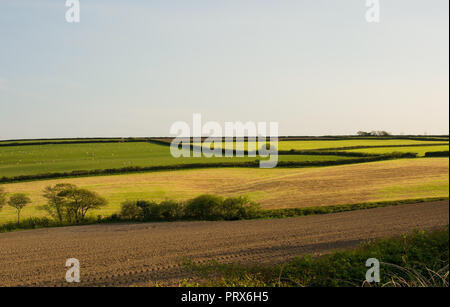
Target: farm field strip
311, 145
322, 145
420, 150
273, 188
152, 253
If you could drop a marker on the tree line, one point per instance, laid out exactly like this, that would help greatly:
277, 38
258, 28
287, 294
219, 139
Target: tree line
66, 203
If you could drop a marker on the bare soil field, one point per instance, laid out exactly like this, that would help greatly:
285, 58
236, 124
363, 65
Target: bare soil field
152, 253
273, 188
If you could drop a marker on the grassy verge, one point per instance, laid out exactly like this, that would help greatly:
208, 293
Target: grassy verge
419, 259
170, 211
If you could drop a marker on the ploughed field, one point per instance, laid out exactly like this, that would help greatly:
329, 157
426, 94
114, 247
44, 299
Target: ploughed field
153, 253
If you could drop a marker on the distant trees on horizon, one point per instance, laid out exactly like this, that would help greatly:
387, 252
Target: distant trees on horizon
374, 133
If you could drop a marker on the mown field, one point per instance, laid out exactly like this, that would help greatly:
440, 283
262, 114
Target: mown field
273, 188
313, 145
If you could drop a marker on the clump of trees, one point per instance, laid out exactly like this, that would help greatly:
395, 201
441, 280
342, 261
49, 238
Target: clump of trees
203, 207
374, 133
67, 203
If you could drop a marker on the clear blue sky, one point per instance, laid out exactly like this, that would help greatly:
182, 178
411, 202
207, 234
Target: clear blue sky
132, 68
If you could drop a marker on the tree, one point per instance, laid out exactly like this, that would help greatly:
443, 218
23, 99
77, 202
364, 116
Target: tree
56, 205
2, 198
78, 202
380, 133
19, 201
363, 133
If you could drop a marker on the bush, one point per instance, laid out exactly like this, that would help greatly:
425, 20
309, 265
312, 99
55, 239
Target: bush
205, 207
239, 208
130, 211
150, 210
437, 154
171, 210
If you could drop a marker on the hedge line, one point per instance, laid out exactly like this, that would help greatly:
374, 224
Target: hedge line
203, 207
437, 154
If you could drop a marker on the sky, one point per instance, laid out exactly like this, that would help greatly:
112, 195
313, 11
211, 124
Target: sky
134, 67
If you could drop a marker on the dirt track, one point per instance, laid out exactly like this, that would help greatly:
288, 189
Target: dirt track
142, 254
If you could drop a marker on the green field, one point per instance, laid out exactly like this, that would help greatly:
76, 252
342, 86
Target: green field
39, 159
273, 188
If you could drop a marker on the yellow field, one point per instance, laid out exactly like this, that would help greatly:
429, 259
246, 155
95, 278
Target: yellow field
273, 188
323, 144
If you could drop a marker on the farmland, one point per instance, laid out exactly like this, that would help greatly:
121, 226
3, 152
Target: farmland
420, 150
318, 144
153, 254
273, 188
37, 159
320, 173
330, 144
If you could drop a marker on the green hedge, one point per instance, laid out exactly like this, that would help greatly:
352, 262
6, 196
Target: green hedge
203, 208
437, 154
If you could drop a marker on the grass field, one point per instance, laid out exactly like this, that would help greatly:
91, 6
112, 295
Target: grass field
420, 150
38, 159
273, 188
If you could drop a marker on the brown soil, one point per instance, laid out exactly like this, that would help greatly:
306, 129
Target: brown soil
146, 254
